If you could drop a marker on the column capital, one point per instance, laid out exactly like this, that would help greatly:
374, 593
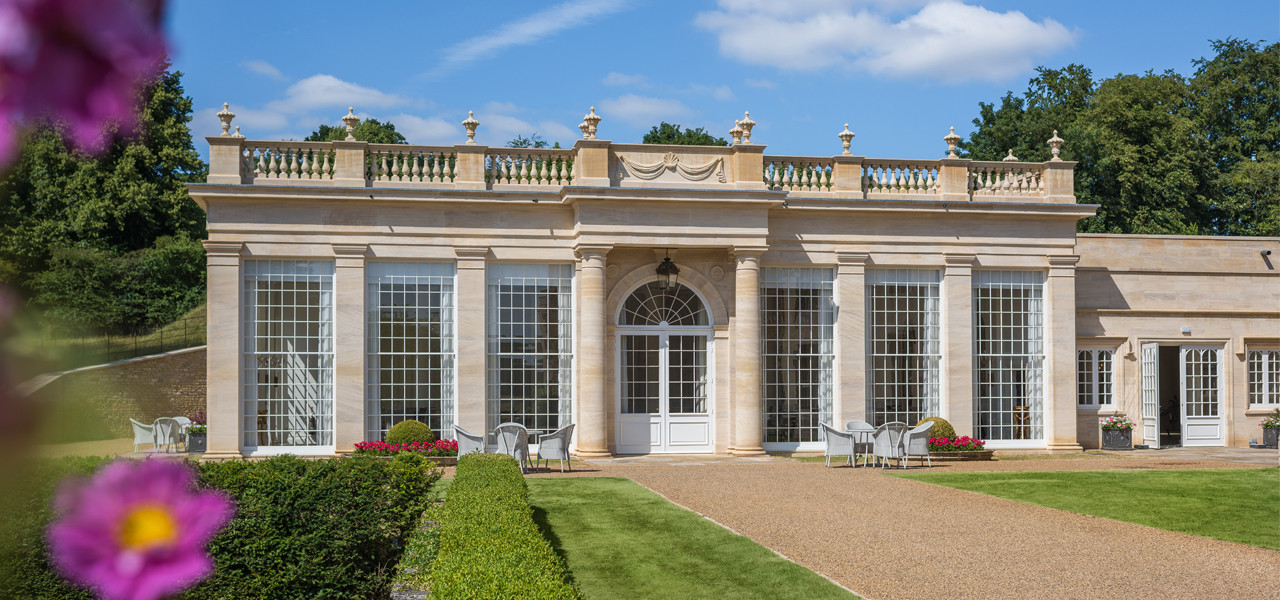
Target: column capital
1063, 265
958, 264
856, 258
471, 252
213, 248
589, 251
350, 255
751, 253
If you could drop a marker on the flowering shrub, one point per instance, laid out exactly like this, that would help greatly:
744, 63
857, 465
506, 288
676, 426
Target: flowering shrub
199, 423
1271, 421
1113, 423
436, 448
963, 443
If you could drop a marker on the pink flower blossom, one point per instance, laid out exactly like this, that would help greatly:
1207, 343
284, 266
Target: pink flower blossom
136, 530
76, 61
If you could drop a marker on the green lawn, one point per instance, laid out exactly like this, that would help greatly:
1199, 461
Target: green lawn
622, 541
1238, 505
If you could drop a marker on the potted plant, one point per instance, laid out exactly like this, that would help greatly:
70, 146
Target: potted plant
1117, 433
197, 434
1271, 429
960, 448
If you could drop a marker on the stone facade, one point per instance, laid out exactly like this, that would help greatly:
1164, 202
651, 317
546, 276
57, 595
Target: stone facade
999, 239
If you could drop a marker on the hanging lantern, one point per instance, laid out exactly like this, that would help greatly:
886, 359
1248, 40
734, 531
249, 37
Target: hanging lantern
668, 274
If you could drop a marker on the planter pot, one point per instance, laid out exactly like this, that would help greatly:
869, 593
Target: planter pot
968, 455
197, 443
1117, 439
1270, 435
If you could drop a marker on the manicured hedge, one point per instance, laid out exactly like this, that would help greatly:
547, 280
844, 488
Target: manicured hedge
490, 548
303, 529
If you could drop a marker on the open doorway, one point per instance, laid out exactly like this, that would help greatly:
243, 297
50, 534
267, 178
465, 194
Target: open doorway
1170, 397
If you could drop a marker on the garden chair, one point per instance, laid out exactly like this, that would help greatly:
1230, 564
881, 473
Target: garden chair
513, 440
184, 424
143, 434
467, 442
862, 431
166, 433
917, 444
839, 443
555, 446
887, 443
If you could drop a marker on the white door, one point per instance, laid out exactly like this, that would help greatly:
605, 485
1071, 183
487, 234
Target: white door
1151, 395
663, 400
1202, 396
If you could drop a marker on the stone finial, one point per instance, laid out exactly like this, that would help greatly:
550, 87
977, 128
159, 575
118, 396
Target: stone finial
736, 132
591, 119
351, 120
746, 124
470, 125
952, 141
846, 139
225, 115
1010, 157
237, 134
1055, 145
583, 127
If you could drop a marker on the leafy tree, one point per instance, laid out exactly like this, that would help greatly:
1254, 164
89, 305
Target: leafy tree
1053, 101
57, 198
667, 133
533, 141
368, 130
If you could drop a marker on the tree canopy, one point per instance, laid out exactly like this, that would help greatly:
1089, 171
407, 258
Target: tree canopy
1158, 152
668, 133
368, 130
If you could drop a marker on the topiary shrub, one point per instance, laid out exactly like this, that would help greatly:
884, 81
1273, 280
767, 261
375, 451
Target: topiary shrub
408, 432
941, 428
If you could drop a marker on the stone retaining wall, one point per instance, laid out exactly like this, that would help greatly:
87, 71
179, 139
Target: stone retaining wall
97, 402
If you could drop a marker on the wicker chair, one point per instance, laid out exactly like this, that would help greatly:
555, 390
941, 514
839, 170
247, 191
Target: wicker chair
555, 446
917, 443
887, 443
167, 433
468, 442
143, 434
862, 431
184, 424
839, 443
513, 440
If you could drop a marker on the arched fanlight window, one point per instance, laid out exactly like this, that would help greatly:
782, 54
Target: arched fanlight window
650, 305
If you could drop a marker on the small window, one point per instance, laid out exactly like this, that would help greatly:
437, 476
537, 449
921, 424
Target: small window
1094, 377
1264, 377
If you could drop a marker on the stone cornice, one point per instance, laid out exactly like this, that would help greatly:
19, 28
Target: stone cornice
213, 248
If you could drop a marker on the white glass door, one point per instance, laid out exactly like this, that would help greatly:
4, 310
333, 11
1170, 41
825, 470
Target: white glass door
1202, 396
1151, 395
664, 400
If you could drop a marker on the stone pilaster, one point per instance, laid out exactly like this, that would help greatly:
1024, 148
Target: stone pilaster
224, 401
851, 340
747, 406
349, 346
469, 309
957, 339
1060, 355
592, 430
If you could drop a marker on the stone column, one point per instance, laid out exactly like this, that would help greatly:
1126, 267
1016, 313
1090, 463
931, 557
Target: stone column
747, 405
349, 346
593, 418
851, 336
1060, 355
957, 340
469, 310
223, 401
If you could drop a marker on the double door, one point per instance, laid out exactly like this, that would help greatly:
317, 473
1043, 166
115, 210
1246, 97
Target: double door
1198, 403
663, 398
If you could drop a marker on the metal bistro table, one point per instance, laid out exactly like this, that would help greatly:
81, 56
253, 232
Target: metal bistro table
530, 448
863, 438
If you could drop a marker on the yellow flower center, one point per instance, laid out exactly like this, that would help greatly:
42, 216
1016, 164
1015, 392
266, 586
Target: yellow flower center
147, 527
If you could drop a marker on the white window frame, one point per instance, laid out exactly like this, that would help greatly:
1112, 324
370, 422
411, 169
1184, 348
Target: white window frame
924, 290
1095, 386
1010, 370
813, 328
1263, 366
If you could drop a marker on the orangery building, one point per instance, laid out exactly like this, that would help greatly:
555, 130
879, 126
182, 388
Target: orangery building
691, 299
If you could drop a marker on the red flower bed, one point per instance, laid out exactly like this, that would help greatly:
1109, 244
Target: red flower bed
963, 443
436, 448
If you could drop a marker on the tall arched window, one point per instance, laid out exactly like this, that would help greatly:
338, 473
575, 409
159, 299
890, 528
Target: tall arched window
649, 305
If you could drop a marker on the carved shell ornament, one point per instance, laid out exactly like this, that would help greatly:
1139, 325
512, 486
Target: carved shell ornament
671, 162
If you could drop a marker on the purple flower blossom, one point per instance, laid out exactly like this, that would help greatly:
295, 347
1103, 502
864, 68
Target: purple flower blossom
136, 530
76, 61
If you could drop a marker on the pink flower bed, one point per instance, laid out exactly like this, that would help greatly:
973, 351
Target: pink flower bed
436, 448
963, 443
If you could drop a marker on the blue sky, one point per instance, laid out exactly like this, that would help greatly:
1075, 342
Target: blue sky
899, 72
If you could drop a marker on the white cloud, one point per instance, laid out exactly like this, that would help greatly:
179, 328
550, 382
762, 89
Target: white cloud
498, 126
264, 68
529, 30
722, 93
760, 83
945, 40
624, 79
640, 111
433, 131
327, 91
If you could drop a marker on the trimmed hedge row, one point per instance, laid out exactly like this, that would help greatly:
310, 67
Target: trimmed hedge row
303, 529
490, 548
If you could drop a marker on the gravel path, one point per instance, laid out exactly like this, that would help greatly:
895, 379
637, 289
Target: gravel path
888, 538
